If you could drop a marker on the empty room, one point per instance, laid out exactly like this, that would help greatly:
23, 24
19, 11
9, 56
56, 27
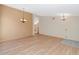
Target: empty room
39, 29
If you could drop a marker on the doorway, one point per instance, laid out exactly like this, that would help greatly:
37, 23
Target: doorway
35, 25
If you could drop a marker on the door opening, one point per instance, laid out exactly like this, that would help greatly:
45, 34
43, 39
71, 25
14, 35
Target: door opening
35, 25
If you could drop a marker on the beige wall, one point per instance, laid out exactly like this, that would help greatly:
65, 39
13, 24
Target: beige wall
57, 27
11, 27
0, 22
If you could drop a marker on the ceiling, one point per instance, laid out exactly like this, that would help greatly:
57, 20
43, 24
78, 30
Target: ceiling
49, 9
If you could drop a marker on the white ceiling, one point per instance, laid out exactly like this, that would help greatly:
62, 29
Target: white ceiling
48, 9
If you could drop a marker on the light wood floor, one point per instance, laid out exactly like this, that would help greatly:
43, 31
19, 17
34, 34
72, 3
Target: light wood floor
37, 45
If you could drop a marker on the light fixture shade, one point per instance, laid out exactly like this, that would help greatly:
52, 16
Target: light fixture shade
63, 18
23, 20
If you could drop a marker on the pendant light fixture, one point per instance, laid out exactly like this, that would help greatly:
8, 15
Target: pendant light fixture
63, 17
23, 20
